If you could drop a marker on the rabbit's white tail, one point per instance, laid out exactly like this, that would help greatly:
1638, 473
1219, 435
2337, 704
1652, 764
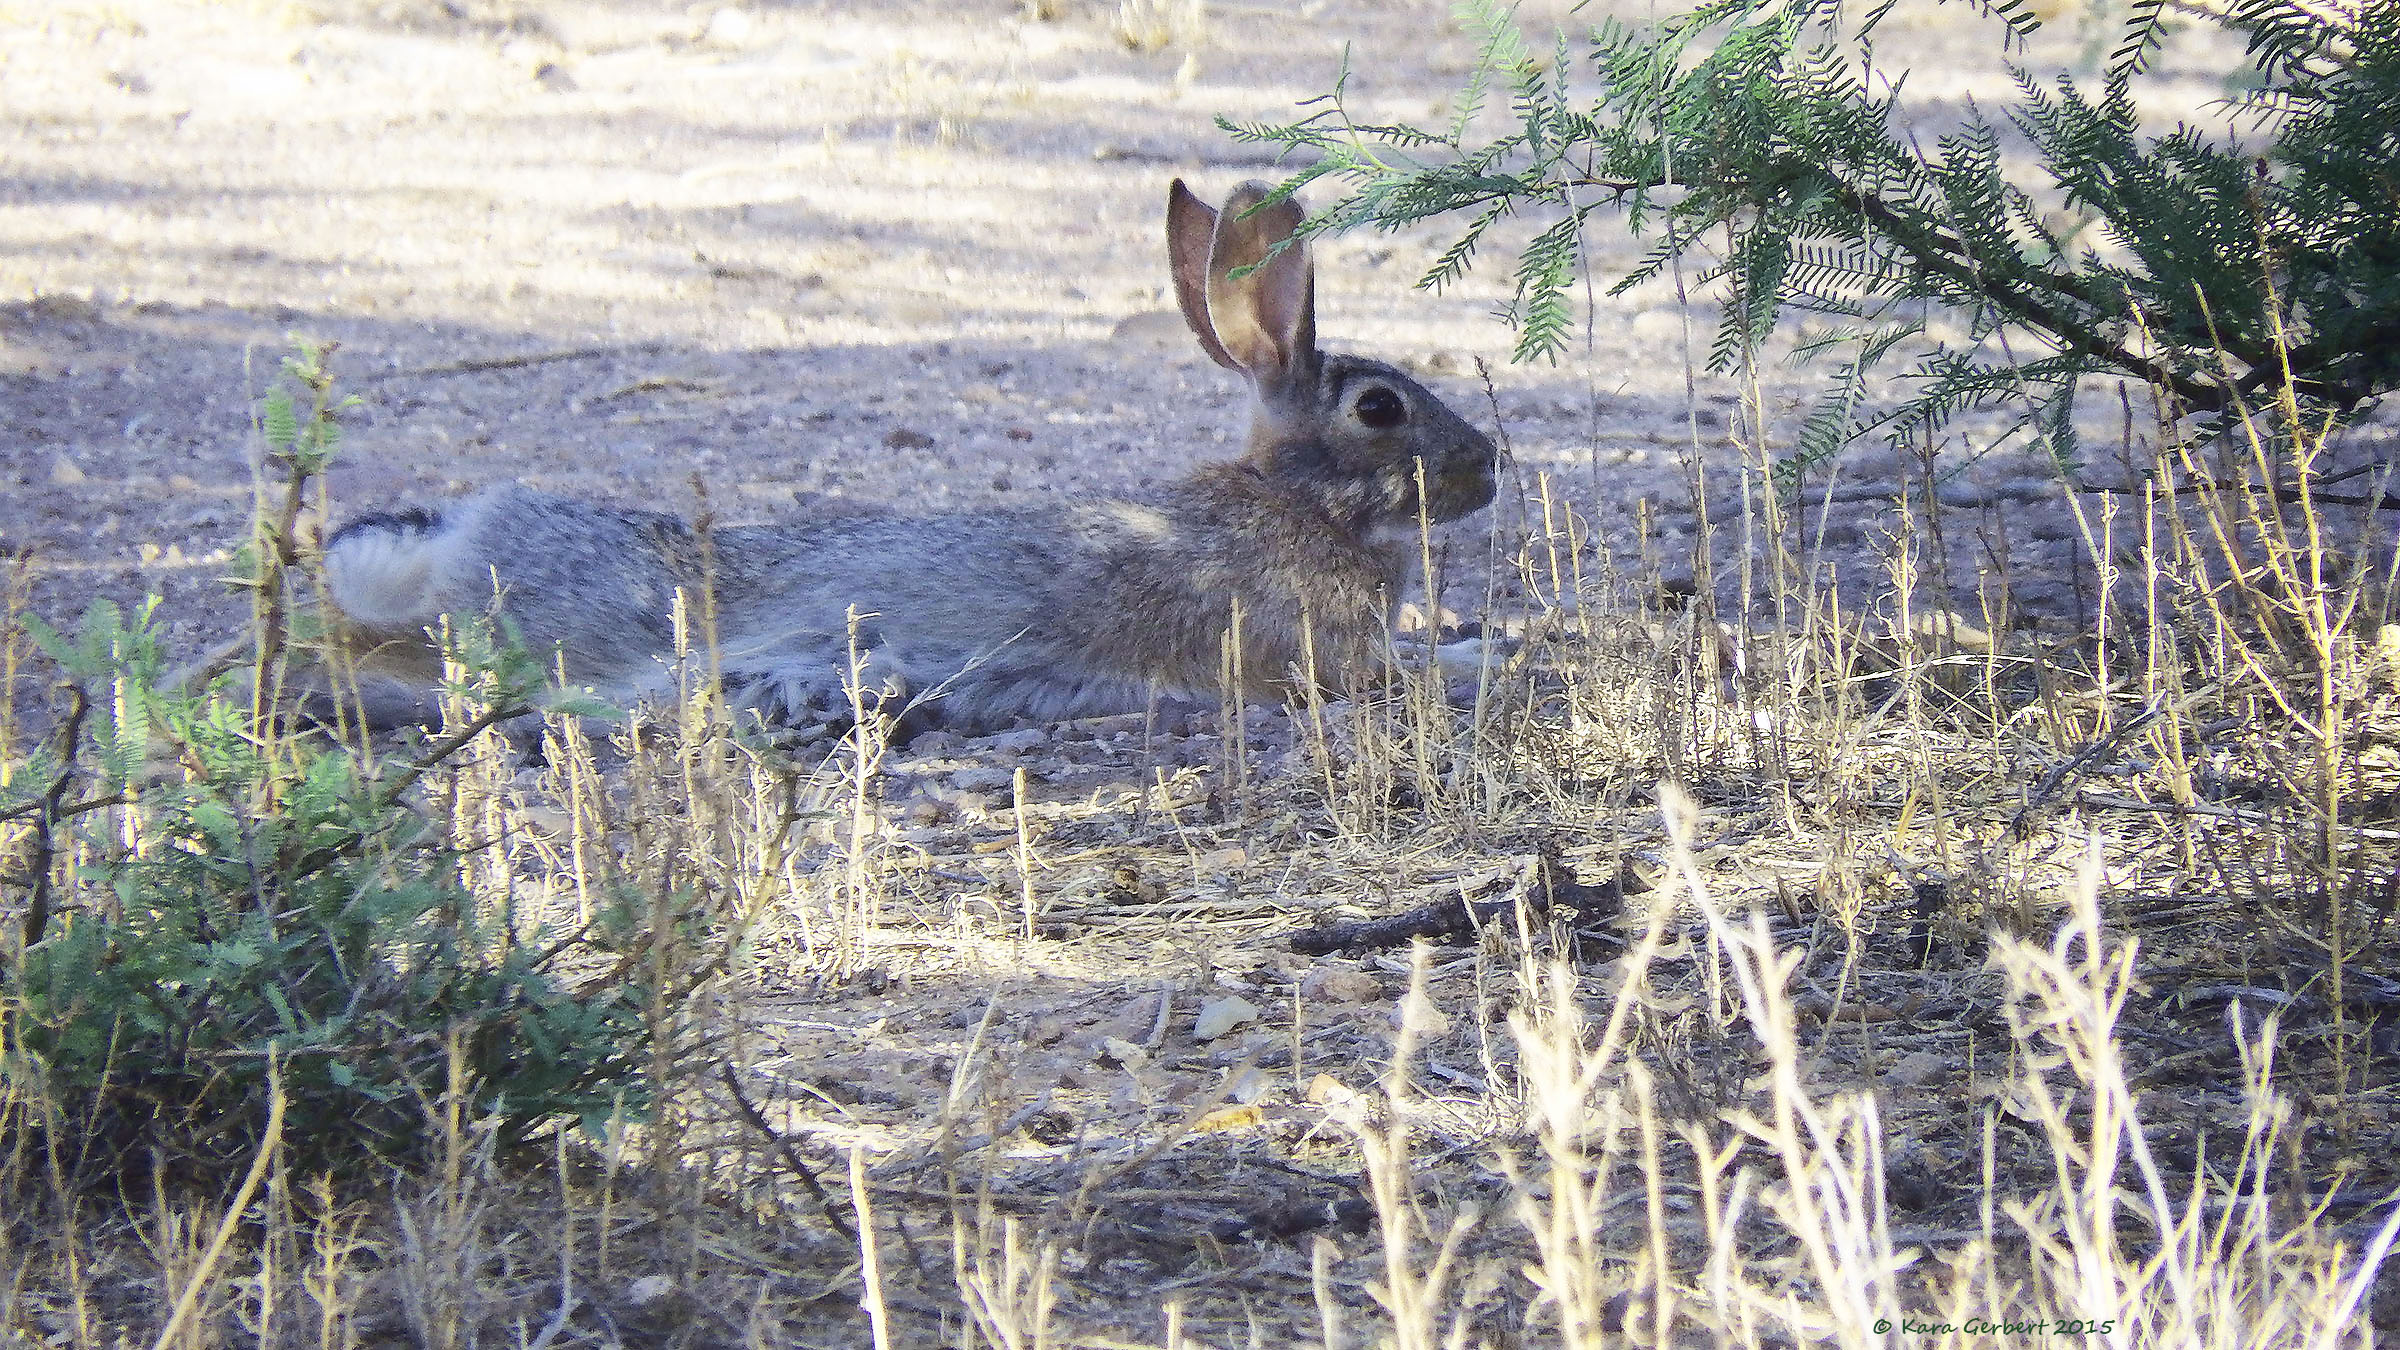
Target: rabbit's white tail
388, 571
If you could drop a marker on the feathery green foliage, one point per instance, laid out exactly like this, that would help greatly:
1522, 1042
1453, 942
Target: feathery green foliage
2238, 271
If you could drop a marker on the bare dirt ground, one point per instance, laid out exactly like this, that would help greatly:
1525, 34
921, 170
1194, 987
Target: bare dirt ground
816, 257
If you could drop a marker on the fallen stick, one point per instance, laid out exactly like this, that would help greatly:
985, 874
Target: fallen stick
792, 1160
1542, 884
513, 361
1285, 1220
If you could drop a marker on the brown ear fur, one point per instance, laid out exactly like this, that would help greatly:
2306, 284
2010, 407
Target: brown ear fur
1266, 319
1191, 229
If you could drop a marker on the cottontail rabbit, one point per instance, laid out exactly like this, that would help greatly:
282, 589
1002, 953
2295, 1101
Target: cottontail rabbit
1080, 608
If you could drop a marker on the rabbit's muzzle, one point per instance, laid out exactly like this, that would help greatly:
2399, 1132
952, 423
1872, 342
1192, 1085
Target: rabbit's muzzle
1460, 493
1463, 483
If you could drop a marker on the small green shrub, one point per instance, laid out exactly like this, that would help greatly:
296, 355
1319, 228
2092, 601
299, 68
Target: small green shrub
206, 890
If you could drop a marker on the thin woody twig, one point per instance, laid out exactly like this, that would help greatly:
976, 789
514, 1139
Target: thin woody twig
791, 1157
1542, 885
37, 905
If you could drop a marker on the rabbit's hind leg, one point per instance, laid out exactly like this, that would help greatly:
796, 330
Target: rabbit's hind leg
820, 692
995, 694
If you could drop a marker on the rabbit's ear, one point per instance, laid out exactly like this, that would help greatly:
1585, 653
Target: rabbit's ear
1265, 320
1191, 229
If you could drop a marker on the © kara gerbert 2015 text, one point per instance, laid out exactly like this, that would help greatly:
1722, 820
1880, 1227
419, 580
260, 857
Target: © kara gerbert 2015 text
1978, 1326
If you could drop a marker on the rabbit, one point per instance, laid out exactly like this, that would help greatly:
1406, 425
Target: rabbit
1083, 608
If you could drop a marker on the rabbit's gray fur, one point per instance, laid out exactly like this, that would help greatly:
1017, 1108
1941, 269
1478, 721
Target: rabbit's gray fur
1087, 607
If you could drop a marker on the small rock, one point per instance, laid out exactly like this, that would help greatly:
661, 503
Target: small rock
958, 799
1338, 984
1221, 1015
932, 744
648, 1290
1018, 742
1230, 1118
1051, 1128
1137, 1019
64, 472
907, 438
1123, 1052
1917, 1069
987, 779
1327, 1090
1431, 1023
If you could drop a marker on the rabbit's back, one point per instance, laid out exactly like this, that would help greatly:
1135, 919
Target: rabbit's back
1084, 608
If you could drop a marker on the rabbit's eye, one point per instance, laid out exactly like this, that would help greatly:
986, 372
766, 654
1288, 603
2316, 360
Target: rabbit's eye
1380, 408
